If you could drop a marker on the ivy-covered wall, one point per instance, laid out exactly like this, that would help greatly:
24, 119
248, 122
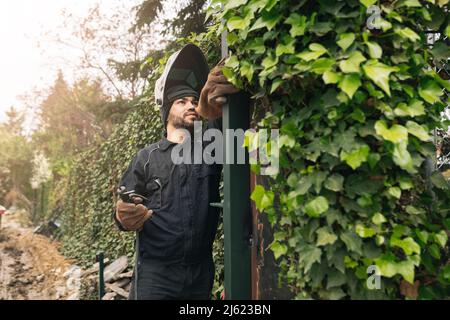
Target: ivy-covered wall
356, 108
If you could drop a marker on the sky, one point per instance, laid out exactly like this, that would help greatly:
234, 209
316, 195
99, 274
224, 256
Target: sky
24, 66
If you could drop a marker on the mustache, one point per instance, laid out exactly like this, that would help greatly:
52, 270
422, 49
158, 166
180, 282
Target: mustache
191, 113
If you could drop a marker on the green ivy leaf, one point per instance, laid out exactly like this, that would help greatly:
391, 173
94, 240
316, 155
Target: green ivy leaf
356, 157
352, 63
308, 255
413, 109
352, 241
389, 267
237, 23
408, 245
417, 130
330, 77
334, 182
324, 237
430, 91
441, 238
263, 199
349, 84
322, 65
375, 50
346, 40
278, 249
316, 50
316, 207
439, 181
402, 157
396, 134
379, 74
408, 34
368, 3
364, 232
378, 219
298, 24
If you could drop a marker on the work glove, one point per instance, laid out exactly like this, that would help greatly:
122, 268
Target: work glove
213, 94
132, 216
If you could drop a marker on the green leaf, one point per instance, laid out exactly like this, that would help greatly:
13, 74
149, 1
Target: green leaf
247, 70
278, 249
316, 50
364, 232
389, 267
236, 23
316, 207
439, 181
440, 51
349, 84
402, 157
334, 182
379, 74
408, 34
373, 159
422, 235
352, 241
268, 19
415, 108
325, 236
395, 192
434, 251
308, 255
397, 133
345, 40
368, 3
375, 50
330, 77
441, 238
417, 130
263, 199
408, 245
378, 219
352, 63
234, 4
356, 157
430, 91
322, 65
298, 24
447, 31
288, 47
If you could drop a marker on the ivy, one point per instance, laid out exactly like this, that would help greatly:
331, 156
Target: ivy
356, 108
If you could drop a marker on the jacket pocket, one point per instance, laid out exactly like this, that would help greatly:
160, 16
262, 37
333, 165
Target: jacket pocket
154, 188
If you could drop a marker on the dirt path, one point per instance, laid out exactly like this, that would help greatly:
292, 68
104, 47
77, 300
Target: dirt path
31, 268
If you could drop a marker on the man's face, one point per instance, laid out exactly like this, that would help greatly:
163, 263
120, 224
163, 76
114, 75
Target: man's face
182, 113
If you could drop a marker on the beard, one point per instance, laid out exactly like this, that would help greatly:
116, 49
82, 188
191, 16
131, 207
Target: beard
180, 123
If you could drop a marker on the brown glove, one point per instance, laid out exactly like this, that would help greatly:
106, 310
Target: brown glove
132, 215
212, 97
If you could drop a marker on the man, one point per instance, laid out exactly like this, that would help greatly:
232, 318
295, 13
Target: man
175, 223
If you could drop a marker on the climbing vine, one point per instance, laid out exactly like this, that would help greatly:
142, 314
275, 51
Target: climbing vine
356, 99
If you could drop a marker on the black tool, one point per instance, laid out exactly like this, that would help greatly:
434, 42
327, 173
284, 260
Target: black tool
128, 196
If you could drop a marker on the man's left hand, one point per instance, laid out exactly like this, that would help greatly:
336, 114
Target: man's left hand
213, 95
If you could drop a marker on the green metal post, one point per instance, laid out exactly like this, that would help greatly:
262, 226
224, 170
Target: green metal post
236, 209
101, 280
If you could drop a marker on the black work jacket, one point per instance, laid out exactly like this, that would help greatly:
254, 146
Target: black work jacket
183, 226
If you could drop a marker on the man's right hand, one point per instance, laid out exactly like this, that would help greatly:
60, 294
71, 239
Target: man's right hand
132, 216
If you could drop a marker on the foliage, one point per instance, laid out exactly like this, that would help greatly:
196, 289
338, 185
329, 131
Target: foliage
355, 108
